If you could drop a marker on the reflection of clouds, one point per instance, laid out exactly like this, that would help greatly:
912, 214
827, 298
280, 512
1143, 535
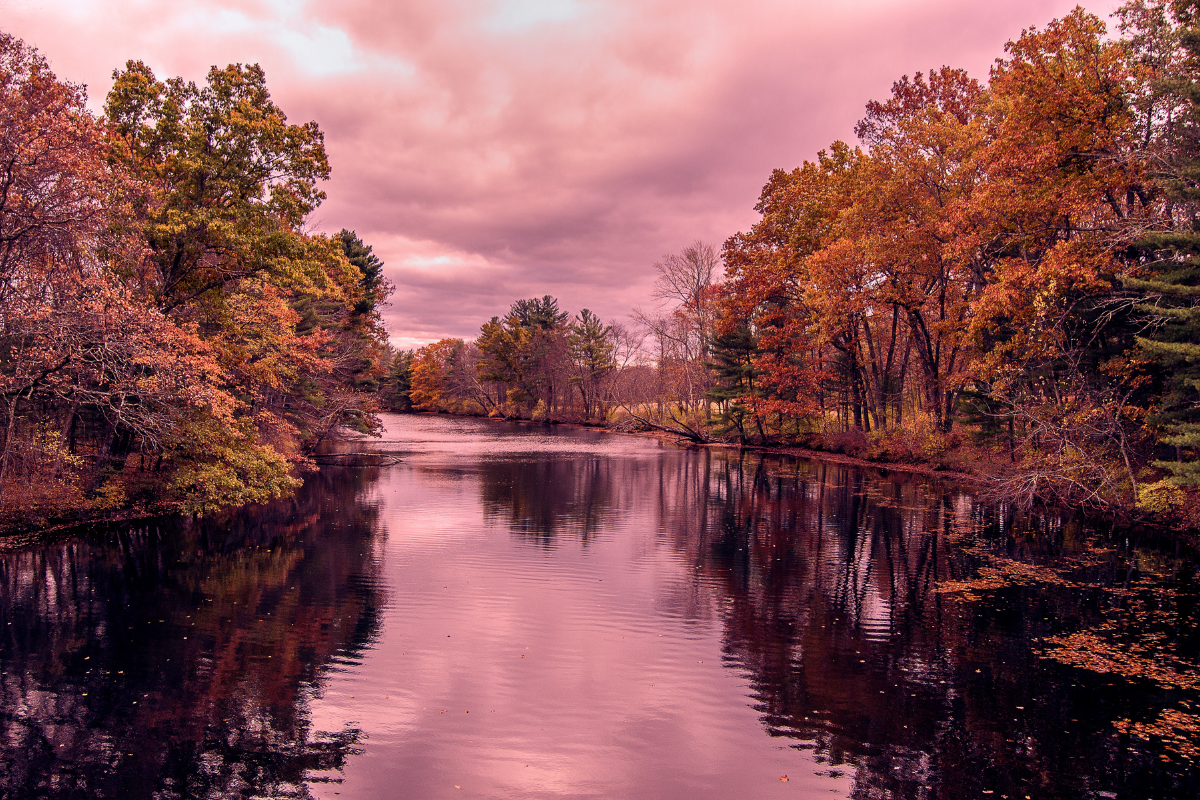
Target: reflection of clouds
724, 619
606, 700
496, 150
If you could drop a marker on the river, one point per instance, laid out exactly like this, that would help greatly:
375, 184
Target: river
505, 610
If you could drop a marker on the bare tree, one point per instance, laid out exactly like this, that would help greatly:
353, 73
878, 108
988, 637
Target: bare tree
685, 284
682, 323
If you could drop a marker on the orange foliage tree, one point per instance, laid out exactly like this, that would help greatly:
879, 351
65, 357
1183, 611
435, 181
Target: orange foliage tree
151, 265
969, 263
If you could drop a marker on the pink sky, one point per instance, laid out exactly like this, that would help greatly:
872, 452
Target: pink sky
491, 150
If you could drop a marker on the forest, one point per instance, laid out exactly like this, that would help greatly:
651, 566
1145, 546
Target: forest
997, 277
170, 337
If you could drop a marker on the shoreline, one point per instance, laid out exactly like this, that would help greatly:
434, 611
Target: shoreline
786, 450
17, 537
971, 481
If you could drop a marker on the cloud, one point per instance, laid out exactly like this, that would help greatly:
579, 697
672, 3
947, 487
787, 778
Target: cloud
497, 149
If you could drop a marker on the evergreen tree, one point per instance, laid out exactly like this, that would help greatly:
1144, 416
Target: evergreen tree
733, 369
591, 351
539, 313
1170, 287
395, 394
372, 285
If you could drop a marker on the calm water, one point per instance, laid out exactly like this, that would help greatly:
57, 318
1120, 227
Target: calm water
519, 611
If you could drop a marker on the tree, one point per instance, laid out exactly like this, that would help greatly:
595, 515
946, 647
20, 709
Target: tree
91, 373
779, 285
430, 367
1168, 288
1063, 196
735, 376
923, 143
684, 320
591, 351
373, 288
526, 352
444, 378
229, 183
395, 393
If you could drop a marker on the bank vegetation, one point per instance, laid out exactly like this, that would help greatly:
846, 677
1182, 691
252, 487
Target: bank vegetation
171, 339
999, 277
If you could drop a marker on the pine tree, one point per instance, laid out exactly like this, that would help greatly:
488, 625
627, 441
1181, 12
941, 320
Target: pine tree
733, 369
371, 284
395, 394
1170, 289
591, 350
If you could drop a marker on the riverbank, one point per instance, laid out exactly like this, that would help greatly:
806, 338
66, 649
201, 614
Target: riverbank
18, 536
928, 470
992, 473
984, 471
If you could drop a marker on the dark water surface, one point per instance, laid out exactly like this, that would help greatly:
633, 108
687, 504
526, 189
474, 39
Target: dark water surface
520, 611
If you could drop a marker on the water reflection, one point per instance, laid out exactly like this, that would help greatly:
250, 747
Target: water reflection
570, 614
540, 498
825, 581
177, 658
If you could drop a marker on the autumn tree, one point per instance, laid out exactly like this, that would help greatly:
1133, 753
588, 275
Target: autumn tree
430, 368
1062, 194
798, 309
445, 378
91, 372
229, 183
527, 354
921, 172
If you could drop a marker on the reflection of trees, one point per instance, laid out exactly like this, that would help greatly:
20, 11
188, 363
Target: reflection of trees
543, 497
176, 658
825, 577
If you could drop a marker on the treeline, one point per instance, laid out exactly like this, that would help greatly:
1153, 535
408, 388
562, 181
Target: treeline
536, 363
1015, 259
1003, 270
541, 363
170, 337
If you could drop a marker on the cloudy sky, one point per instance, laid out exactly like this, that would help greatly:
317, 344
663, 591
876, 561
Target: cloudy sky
496, 149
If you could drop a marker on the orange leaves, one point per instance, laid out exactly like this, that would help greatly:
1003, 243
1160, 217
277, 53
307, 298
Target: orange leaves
55, 179
152, 275
430, 368
1061, 179
1060, 136
260, 345
959, 243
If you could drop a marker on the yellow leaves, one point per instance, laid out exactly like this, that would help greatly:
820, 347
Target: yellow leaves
109, 497
233, 472
232, 182
1162, 498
